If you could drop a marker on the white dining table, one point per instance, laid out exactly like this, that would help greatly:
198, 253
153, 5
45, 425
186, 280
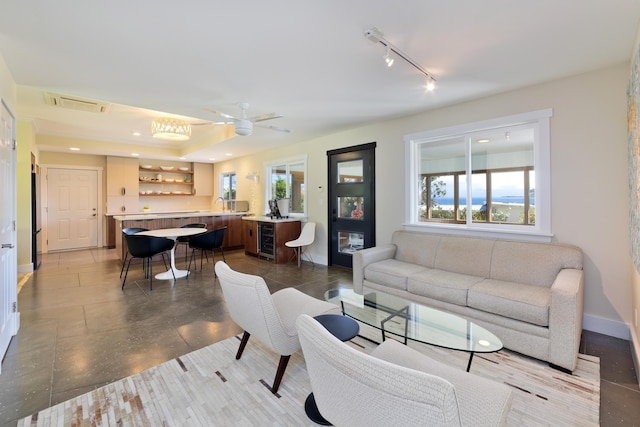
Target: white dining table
173, 234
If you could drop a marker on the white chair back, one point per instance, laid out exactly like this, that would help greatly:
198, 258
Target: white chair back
251, 306
352, 388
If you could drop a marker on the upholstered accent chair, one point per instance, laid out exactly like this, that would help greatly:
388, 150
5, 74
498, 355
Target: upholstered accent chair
395, 385
268, 317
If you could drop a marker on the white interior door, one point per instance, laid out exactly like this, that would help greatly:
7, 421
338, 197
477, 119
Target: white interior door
72, 220
9, 322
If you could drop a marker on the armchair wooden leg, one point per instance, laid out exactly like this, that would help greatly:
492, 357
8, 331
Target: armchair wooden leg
243, 344
282, 366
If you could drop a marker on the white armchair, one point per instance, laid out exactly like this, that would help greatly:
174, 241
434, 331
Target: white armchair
269, 318
395, 385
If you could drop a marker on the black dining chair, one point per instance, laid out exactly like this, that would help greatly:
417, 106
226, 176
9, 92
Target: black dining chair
132, 230
146, 247
184, 240
205, 242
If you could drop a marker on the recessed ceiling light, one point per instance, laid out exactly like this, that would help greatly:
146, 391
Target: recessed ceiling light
483, 141
212, 158
74, 149
182, 158
135, 133
228, 154
135, 154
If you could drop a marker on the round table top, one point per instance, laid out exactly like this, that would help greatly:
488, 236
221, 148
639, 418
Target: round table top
342, 327
173, 233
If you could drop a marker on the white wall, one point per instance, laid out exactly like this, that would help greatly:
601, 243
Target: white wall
588, 176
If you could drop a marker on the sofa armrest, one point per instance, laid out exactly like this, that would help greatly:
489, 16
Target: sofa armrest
367, 256
565, 318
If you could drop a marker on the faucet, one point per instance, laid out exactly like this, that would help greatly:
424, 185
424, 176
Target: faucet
221, 199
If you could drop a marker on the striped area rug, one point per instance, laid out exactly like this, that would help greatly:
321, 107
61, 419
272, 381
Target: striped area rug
208, 387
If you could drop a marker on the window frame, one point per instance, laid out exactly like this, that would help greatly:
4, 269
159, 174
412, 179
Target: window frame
541, 231
224, 176
288, 162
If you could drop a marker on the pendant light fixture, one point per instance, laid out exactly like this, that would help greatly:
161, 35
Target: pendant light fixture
171, 129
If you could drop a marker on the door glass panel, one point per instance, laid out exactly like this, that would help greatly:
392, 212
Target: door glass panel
350, 171
351, 207
350, 241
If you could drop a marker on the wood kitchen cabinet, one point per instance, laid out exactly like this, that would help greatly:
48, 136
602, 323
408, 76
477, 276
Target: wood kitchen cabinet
267, 238
250, 234
122, 184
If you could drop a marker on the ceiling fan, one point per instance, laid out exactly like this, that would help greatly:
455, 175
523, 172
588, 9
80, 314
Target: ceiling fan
244, 124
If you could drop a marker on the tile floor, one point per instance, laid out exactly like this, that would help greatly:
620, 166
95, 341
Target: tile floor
80, 331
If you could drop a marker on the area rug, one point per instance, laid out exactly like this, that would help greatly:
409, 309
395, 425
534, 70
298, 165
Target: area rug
209, 387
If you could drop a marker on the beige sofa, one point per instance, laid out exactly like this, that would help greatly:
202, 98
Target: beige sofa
530, 295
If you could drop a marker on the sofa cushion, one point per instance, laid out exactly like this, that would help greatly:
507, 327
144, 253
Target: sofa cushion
532, 263
465, 255
527, 303
416, 248
442, 285
391, 272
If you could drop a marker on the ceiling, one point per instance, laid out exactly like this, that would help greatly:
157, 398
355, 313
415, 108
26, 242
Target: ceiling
306, 60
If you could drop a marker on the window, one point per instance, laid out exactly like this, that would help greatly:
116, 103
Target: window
287, 180
485, 178
228, 184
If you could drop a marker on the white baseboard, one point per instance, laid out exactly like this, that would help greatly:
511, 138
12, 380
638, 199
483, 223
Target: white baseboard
25, 268
604, 326
635, 352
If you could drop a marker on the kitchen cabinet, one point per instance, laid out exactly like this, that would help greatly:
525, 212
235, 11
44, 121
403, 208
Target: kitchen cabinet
122, 184
250, 231
271, 236
233, 235
202, 179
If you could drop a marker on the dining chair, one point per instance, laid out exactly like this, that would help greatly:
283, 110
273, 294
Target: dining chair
184, 240
268, 317
306, 238
132, 230
146, 247
209, 241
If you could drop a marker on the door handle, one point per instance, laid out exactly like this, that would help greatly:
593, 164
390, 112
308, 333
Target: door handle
7, 246
123, 191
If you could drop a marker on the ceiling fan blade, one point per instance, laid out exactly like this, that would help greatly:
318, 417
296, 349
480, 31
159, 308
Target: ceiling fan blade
279, 129
264, 117
226, 116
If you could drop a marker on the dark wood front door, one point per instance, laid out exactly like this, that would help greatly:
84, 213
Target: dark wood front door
352, 210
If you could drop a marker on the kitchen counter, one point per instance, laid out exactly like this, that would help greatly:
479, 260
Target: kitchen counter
178, 214
269, 219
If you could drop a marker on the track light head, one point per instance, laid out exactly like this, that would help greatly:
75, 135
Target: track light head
431, 84
387, 57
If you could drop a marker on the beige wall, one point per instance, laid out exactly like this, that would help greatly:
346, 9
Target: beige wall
25, 136
588, 176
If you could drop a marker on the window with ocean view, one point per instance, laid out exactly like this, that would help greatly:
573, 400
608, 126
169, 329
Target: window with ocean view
489, 176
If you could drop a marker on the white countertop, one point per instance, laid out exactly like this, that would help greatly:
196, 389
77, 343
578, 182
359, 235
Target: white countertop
178, 214
269, 219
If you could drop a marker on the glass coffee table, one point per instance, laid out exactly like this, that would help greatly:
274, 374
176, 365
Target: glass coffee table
412, 321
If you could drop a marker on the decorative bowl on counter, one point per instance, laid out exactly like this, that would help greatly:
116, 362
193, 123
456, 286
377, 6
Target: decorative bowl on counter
176, 192
179, 180
168, 180
166, 168
146, 166
184, 169
166, 192
158, 192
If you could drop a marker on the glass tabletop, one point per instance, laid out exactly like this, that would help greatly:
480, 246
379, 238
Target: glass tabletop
417, 322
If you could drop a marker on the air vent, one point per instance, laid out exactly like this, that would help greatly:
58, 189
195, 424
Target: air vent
78, 104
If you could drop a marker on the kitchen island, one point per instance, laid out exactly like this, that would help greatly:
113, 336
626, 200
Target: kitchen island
155, 221
265, 236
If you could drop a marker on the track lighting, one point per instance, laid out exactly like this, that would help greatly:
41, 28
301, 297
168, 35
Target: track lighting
376, 36
387, 58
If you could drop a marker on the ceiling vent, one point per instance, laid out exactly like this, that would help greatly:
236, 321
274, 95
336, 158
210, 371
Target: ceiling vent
77, 104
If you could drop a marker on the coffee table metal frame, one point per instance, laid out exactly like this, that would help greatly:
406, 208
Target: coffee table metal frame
417, 322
